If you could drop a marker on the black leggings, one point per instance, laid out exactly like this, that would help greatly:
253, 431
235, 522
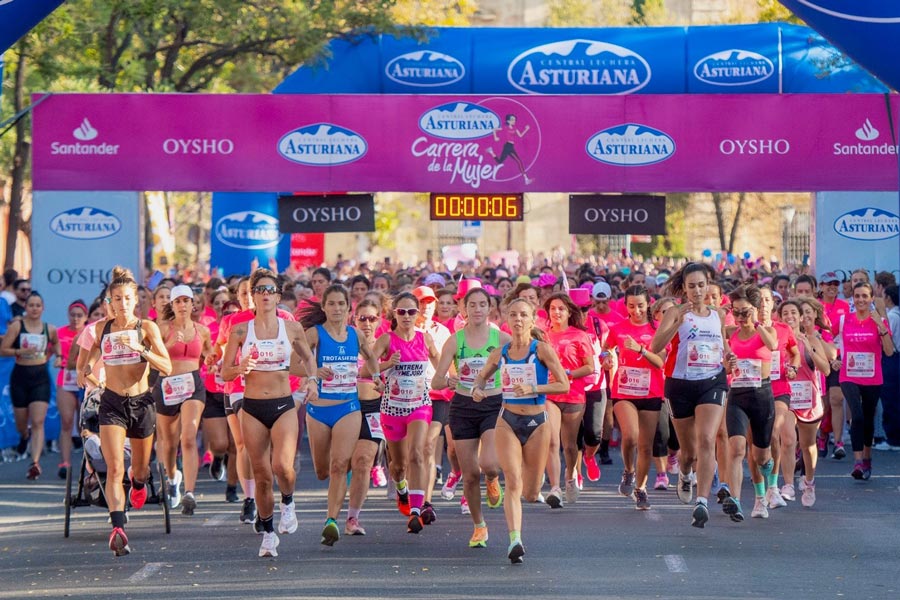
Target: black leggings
591, 431
665, 434
863, 401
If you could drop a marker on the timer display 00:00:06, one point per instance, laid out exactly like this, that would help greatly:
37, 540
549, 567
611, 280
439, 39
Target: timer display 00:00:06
477, 207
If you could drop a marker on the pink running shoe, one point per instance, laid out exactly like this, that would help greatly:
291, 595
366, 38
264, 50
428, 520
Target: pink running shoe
378, 478
593, 469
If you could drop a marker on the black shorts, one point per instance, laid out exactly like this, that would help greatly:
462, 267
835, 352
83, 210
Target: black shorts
753, 407
833, 380
175, 410
653, 404
267, 411
784, 399
685, 395
135, 414
469, 419
440, 412
215, 405
370, 427
29, 383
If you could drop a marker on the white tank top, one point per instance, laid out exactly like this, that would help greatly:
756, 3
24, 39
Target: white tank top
700, 347
271, 355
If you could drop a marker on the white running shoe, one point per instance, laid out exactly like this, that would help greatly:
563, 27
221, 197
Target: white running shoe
759, 509
269, 543
449, 488
174, 490
809, 494
788, 492
288, 521
464, 506
774, 499
684, 489
572, 491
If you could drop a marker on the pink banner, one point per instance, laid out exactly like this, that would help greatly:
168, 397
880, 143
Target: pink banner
319, 143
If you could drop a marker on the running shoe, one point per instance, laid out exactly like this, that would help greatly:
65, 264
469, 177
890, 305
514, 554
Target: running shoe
857, 472
415, 524
731, 506
723, 493
353, 527
231, 494
331, 533
34, 471
138, 497
882, 446
822, 446
867, 469
258, 526
207, 459
809, 494
579, 481
248, 511
554, 498
479, 537
118, 542
700, 515
684, 490
378, 478
174, 490
288, 521
464, 506
593, 469
737, 514
788, 492
494, 493
641, 500
269, 543
403, 502
672, 463
662, 482
22, 446
774, 499
516, 553
626, 486
438, 475
572, 491
63, 470
839, 451
604, 457
715, 482
428, 514
449, 489
217, 468
188, 504
759, 508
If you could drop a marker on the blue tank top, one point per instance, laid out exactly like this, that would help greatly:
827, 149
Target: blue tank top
529, 370
341, 358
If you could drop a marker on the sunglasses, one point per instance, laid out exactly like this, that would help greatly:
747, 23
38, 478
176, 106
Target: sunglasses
742, 313
406, 311
367, 318
829, 283
265, 289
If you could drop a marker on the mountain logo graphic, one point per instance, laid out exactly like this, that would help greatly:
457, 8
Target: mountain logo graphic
85, 132
867, 132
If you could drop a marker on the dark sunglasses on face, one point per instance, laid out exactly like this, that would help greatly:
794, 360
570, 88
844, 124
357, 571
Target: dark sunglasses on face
367, 319
265, 289
406, 311
742, 313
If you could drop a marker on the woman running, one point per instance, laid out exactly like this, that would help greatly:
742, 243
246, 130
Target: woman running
406, 405
67, 391
126, 406
333, 420
522, 438
267, 415
695, 380
32, 342
637, 392
180, 397
216, 431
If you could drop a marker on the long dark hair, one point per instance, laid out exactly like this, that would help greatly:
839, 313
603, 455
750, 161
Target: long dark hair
675, 284
397, 299
638, 291
576, 318
313, 314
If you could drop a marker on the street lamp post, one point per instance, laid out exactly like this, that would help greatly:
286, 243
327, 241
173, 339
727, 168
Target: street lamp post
787, 219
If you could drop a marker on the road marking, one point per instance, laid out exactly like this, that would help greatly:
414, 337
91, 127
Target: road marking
145, 572
675, 563
217, 520
653, 515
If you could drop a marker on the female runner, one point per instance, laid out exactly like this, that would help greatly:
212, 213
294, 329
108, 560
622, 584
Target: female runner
67, 391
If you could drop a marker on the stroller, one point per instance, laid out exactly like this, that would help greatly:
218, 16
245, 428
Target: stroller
92, 474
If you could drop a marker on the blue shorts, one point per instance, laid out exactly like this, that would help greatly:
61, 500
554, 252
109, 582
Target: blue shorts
329, 415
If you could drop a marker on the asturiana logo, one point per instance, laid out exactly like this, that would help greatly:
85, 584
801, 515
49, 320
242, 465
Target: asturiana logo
459, 121
425, 68
868, 224
630, 145
322, 144
85, 223
579, 67
733, 67
248, 230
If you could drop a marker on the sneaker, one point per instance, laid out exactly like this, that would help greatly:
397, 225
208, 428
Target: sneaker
138, 497
593, 469
662, 482
700, 515
414, 525
572, 491
34, 471
684, 490
737, 512
641, 500
867, 470
174, 490
118, 542
464, 506
248, 511
579, 481
207, 459
839, 451
604, 457
672, 463
63, 470
231, 494
822, 446
403, 502
759, 508
188, 504
288, 521
801, 485
857, 472
449, 489
554, 498
788, 492
626, 486
731, 506
258, 526
809, 494
882, 446
774, 499
438, 475
516, 552
378, 478
217, 469
268, 545
716, 484
331, 533
723, 493
22, 446
428, 514
494, 493
479, 538
353, 527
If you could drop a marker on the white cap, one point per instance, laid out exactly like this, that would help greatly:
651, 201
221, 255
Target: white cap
181, 291
601, 290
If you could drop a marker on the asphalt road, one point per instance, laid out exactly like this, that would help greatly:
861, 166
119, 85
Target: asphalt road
847, 546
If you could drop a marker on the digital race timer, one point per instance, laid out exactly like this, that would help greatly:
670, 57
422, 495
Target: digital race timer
477, 207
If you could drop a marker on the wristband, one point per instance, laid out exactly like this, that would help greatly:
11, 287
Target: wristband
568, 373
533, 389
643, 351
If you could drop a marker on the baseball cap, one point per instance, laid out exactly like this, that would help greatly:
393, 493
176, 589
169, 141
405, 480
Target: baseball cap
423, 293
523, 279
545, 280
465, 286
580, 296
181, 291
601, 290
434, 279
829, 277
662, 278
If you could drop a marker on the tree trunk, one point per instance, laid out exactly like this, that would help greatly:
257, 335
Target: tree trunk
20, 163
736, 223
720, 218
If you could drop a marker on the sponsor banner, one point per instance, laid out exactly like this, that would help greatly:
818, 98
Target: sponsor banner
244, 228
739, 59
444, 65
17, 17
615, 214
76, 240
307, 250
454, 144
326, 213
857, 230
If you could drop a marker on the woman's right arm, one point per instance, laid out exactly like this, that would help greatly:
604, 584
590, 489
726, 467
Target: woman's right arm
12, 333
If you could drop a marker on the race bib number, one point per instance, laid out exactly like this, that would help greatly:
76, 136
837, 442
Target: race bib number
469, 368
801, 395
747, 374
515, 374
775, 372
373, 420
343, 378
270, 355
406, 385
33, 345
634, 381
177, 388
70, 380
704, 359
861, 364
116, 353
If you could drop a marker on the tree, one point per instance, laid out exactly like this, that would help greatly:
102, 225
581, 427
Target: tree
719, 203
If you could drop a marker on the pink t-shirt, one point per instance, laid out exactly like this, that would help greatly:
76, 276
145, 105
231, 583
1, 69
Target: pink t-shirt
781, 358
834, 311
861, 357
636, 377
572, 346
806, 389
610, 318
751, 354
66, 337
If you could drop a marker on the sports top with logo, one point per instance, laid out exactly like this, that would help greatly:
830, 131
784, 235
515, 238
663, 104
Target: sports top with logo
272, 354
469, 361
406, 386
343, 359
114, 353
530, 371
636, 377
697, 349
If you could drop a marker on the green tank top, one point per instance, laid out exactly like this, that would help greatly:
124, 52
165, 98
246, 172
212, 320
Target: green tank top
469, 361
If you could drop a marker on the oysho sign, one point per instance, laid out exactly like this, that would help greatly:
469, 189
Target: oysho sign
326, 213
609, 214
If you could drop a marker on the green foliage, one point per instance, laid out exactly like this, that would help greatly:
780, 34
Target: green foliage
774, 11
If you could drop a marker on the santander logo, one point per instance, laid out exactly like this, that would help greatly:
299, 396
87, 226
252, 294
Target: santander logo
85, 132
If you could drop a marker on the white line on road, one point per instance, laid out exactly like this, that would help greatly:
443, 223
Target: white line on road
146, 571
675, 563
217, 520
